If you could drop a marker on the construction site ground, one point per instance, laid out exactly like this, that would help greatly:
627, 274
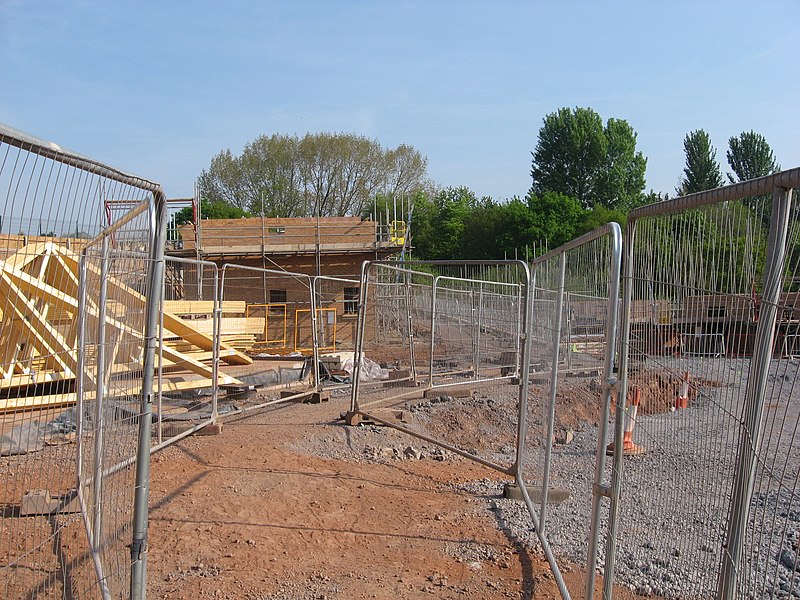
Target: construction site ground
290, 503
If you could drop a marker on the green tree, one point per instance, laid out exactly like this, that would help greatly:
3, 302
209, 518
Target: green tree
750, 156
702, 170
576, 155
452, 207
326, 174
556, 218
211, 210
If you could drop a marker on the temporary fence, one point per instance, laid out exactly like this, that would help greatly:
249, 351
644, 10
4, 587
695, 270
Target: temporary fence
78, 336
708, 506
189, 349
438, 353
279, 330
336, 302
574, 319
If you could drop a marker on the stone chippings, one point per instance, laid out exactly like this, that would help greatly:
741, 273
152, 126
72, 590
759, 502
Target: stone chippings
676, 556
669, 554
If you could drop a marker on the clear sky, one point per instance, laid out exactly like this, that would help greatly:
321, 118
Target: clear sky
159, 88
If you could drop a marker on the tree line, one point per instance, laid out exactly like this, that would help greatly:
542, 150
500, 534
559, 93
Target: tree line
584, 171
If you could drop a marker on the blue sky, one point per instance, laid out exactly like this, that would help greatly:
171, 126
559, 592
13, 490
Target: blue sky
159, 88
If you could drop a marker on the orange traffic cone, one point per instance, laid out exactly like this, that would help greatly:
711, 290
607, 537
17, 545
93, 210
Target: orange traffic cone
682, 401
628, 447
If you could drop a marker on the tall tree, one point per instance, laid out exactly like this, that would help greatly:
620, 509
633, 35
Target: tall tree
556, 218
576, 155
326, 174
750, 156
702, 170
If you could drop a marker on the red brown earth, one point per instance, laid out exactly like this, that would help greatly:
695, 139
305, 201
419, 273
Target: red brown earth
252, 514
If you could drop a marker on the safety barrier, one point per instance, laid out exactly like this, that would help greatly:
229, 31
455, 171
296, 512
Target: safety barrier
439, 348
189, 348
78, 336
574, 321
708, 506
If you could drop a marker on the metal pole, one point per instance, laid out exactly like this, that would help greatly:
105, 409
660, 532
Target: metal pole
568, 308
612, 316
160, 376
524, 376
619, 412
80, 377
553, 389
410, 325
517, 341
216, 338
142, 490
99, 419
750, 435
312, 288
433, 327
80, 392
477, 355
362, 320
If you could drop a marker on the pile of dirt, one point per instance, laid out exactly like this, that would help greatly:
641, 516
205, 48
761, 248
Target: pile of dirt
659, 389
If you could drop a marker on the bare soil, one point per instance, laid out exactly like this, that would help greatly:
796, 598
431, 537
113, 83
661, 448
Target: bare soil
252, 513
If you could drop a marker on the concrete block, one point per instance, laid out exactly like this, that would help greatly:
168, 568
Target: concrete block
554, 496
459, 391
306, 397
40, 502
400, 378
210, 429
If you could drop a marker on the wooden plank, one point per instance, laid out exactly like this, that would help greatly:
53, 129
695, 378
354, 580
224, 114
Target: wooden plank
131, 388
171, 321
232, 326
44, 336
204, 307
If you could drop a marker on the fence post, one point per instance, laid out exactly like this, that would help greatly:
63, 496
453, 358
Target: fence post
551, 416
99, 417
359, 345
410, 325
158, 222
750, 435
433, 329
619, 410
612, 323
479, 322
216, 341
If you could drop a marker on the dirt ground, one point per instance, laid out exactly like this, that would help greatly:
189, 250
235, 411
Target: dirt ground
251, 514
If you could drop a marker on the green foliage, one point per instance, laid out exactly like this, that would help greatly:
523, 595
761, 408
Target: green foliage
702, 170
599, 216
324, 173
578, 157
556, 218
211, 210
750, 156
452, 207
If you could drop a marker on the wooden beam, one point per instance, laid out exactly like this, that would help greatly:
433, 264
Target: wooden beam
171, 322
44, 336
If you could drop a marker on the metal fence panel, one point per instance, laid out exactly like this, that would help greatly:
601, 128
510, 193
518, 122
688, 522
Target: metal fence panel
74, 328
709, 304
188, 351
575, 308
278, 333
438, 353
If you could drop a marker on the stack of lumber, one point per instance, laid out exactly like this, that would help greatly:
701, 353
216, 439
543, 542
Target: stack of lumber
39, 289
236, 329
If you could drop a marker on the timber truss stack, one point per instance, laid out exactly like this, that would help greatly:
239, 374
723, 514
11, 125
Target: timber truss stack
39, 289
